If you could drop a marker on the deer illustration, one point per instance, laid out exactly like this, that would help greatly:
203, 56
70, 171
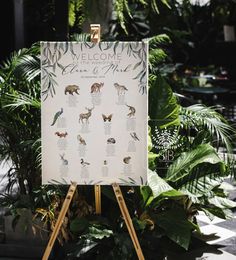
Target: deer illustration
85, 116
132, 111
96, 87
120, 89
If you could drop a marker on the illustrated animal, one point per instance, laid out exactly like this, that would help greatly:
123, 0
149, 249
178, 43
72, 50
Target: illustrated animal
56, 116
64, 161
61, 134
86, 116
120, 89
96, 87
132, 111
83, 163
72, 89
111, 141
107, 118
81, 140
127, 159
134, 136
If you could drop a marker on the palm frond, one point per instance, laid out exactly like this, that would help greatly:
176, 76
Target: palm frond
21, 99
82, 37
159, 40
199, 116
28, 66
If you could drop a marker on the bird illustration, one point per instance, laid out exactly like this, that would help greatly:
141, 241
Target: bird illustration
83, 163
132, 111
134, 136
81, 140
126, 160
56, 116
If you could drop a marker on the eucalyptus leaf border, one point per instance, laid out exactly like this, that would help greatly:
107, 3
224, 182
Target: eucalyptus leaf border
52, 52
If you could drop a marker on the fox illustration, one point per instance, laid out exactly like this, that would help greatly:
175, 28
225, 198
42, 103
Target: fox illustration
96, 87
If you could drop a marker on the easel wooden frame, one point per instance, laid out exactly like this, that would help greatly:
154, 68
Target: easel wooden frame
95, 37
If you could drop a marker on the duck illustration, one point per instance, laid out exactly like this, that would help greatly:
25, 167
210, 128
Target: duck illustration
56, 116
83, 163
134, 136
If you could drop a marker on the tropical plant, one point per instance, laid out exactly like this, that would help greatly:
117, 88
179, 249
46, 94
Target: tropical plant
164, 211
20, 123
168, 206
194, 168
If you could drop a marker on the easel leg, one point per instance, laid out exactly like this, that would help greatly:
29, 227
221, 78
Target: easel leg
95, 33
128, 220
97, 190
60, 220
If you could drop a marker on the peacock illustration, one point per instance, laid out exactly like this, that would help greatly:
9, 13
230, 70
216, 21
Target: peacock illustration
56, 116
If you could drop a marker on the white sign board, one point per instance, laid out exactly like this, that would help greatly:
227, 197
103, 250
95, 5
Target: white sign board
94, 112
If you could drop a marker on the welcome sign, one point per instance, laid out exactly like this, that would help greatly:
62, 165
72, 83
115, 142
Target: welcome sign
94, 112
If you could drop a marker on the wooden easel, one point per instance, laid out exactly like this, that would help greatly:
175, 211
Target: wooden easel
95, 37
60, 220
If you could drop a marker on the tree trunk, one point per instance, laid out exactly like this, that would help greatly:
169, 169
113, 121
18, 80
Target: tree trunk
61, 19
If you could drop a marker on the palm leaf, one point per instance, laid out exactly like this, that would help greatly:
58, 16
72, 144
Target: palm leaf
28, 66
199, 116
21, 99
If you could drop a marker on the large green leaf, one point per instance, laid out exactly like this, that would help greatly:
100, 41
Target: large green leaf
176, 226
157, 184
151, 160
78, 225
147, 195
183, 166
98, 233
211, 212
163, 107
200, 186
222, 203
161, 190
